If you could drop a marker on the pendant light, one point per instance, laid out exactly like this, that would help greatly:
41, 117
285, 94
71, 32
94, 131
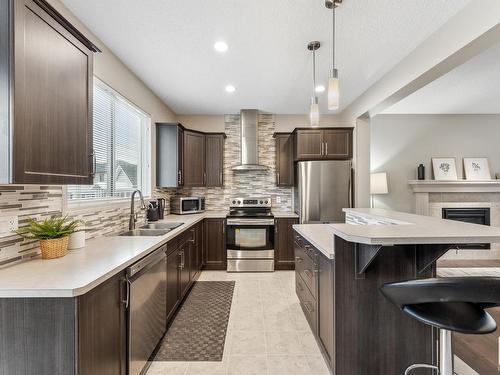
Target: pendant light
314, 111
333, 79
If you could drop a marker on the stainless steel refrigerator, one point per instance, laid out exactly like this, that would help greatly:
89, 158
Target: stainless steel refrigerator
322, 190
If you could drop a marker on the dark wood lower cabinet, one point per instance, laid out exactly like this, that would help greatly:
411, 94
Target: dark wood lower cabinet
173, 297
215, 256
359, 332
102, 329
284, 258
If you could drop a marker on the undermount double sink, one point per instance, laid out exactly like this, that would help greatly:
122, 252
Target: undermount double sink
152, 229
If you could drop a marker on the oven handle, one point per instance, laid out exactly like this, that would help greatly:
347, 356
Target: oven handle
249, 222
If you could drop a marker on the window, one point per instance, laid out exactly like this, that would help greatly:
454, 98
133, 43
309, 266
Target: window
121, 144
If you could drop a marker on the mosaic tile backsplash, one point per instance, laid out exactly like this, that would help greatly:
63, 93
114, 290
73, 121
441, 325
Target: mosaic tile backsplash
41, 202
243, 183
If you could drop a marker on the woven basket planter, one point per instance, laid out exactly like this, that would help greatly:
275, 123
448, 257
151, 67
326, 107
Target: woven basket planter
54, 248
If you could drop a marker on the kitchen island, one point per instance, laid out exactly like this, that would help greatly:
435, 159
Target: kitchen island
340, 268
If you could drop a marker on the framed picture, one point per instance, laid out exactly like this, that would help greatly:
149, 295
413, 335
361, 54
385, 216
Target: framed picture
445, 169
477, 169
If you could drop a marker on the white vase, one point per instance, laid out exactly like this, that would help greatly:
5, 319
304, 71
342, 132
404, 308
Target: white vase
76, 240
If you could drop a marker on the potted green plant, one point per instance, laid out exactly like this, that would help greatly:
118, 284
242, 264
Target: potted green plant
53, 235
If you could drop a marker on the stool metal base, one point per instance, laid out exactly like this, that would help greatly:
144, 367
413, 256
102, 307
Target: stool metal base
445, 356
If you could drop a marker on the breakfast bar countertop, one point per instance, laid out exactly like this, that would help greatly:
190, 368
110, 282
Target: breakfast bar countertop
375, 226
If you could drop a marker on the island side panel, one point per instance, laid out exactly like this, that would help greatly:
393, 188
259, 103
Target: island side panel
37, 336
372, 336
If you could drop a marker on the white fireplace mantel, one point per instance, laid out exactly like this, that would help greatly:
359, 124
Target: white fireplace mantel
422, 188
459, 186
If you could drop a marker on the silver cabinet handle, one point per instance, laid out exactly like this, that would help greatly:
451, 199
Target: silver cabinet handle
278, 177
126, 301
204, 178
179, 177
298, 259
220, 177
326, 148
322, 153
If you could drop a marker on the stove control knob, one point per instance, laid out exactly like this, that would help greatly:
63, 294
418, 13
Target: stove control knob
261, 202
266, 202
239, 202
234, 202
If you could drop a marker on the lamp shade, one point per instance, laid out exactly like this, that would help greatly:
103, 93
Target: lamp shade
378, 183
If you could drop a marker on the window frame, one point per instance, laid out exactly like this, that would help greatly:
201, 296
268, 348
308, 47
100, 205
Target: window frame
146, 183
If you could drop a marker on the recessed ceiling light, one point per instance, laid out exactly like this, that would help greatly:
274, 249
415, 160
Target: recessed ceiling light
221, 46
230, 88
320, 88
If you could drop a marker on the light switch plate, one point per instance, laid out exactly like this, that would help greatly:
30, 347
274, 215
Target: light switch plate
8, 224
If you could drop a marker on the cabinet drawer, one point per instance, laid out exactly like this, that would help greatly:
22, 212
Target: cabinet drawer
305, 265
307, 302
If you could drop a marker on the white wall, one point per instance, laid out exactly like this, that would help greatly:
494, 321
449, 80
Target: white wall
400, 142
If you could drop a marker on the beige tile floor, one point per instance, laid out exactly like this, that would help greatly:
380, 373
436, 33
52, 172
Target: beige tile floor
267, 332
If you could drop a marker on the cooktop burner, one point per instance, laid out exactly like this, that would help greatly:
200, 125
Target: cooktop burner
251, 207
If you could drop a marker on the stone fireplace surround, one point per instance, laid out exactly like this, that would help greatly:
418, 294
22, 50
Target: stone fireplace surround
432, 196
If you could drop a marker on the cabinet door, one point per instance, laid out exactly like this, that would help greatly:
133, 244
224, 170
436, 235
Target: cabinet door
52, 117
325, 302
102, 329
215, 244
284, 160
337, 143
172, 282
180, 156
194, 159
308, 144
194, 254
185, 269
284, 257
214, 160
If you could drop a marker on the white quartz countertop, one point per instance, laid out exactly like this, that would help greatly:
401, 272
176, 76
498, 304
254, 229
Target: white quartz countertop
404, 228
285, 214
83, 269
395, 228
318, 235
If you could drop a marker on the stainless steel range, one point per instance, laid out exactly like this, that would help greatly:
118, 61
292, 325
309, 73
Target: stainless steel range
250, 235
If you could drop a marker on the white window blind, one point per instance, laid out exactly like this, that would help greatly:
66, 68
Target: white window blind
121, 147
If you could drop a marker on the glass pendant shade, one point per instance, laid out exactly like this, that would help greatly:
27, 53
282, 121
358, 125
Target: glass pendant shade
333, 90
314, 112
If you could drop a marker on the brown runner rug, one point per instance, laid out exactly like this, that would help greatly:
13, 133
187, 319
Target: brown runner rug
199, 330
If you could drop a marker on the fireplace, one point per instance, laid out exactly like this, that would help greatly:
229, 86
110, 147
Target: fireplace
470, 215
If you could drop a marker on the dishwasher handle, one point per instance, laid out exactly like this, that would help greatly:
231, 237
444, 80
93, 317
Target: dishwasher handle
146, 262
126, 301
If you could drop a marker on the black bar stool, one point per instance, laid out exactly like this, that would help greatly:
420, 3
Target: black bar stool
454, 304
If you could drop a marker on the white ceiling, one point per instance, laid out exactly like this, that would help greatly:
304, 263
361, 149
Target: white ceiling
169, 45
471, 88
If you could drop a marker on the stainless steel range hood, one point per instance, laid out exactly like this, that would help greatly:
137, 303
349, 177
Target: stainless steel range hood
249, 120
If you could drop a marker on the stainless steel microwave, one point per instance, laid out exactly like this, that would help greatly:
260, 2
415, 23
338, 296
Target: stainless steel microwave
187, 205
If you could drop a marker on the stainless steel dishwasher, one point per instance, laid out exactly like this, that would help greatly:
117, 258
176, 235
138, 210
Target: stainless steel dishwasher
146, 308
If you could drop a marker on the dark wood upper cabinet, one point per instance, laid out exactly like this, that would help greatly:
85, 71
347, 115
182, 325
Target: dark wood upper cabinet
284, 159
214, 159
215, 257
194, 159
338, 143
308, 144
102, 329
323, 144
284, 257
52, 98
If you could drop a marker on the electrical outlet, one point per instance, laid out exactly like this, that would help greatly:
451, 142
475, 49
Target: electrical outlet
8, 224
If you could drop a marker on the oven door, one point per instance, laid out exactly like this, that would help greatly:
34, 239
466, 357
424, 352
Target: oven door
250, 245
250, 234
